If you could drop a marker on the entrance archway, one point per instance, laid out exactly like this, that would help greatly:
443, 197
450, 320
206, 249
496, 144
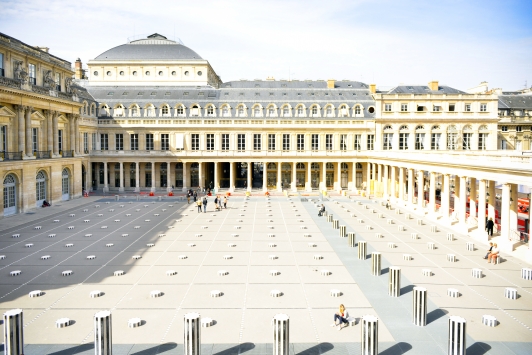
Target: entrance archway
40, 188
65, 185
10, 195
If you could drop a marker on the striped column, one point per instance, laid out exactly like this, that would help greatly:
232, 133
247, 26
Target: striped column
281, 334
13, 332
394, 281
419, 306
103, 335
362, 250
457, 336
351, 239
370, 335
191, 334
336, 224
376, 263
342, 231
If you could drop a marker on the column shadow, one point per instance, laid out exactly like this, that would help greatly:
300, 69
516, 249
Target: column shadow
317, 349
436, 314
237, 349
478, 348
397, 349
75, 350
407, 289
159, 349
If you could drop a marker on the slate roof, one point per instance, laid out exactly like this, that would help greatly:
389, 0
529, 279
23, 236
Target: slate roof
423, 89
515, 102
174, 51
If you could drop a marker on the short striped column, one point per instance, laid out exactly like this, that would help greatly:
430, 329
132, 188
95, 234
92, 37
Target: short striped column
14, 332
336, 224
103, 334
376, 263
457, 336
329, 218
470, 246
369, 335
394, 281
419, 306
343, 230
351, 239
281, 334
362, 250
526, 273
191, 334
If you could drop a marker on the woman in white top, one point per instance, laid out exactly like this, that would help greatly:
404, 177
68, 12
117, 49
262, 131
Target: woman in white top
341, 316
494, 253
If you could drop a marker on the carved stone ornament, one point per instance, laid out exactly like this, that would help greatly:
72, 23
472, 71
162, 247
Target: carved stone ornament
49, 82
20, 73
68, 85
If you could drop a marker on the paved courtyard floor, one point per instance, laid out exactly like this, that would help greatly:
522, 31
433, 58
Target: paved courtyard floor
248, 240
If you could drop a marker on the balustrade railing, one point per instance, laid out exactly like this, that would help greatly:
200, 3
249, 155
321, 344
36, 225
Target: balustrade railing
42, 154
11, 156
67, 154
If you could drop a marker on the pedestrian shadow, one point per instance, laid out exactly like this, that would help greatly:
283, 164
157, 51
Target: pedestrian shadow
237, 349
478, 348
397, 349
75, 350
436, 314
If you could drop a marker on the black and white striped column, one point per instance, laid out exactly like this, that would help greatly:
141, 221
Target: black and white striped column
342, 231
394, 281
14, 332
351, 239
336, 224
281, 334
376, 263
457, 336
370, 335
419, 306
191, 334
362, 250
103, 335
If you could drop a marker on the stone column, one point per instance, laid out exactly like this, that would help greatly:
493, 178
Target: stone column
137, 177
463, 200
294, 177
505, 217
72, 127
185, 177
14, 332
385, 182
456, 202
323, 182
121, 188
491, 200
279, 184
308, 183
402, 185
216, 177
456, 343
513, 210
353, 176
21, 130
419, 312
103, 333
88, 177
232, 176
368, 178
170, 178
55, 120
420, 189
393, 184
248, 184
445, 192
281, 334
29, 139
201, 181
370, 335
49, 131
152, 176
339, 176
394, 281
76, 134
374, 176
481, 230
432, 192
105, 179
264, 176
410, 187
472, 197
192, 334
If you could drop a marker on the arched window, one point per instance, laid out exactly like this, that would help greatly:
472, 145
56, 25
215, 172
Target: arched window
93, 109
300, 166
436, 128
272, 166
329, 111
10, 195
387, 128
271, 111
209, 111
286, 166
165, 111
359, 166
180, 111
150, 110
40, 188
257, 111
286, 112
241, 111
420, 128
467, 128
85, 105
300, 111
343, 111
483, 128
329, 166
358, 110
65, 184
226, 111
314, 111
104, 110
403, 128
119, 111
194, 111
315, 166
134, 110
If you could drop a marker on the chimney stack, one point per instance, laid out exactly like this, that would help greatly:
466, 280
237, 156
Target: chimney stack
433, 85
78, 72
330, 83
373, 88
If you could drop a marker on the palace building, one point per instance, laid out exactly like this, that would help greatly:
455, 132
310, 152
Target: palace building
153, 115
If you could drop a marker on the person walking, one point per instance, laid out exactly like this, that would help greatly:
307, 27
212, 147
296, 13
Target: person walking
489, 227
198, 204
225, 202
188, 197
219, 202
205, 204
195, 196
216, 203
341, 316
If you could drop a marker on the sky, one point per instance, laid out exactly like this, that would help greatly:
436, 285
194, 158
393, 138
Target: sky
460, 43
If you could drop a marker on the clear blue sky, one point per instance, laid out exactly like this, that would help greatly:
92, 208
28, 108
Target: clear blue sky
458, 42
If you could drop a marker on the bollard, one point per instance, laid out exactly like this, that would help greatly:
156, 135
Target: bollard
376, 263
394, 281
351, 239
192, 335
470, 246
336, 224
457, 336
526, 273
281, 334
13, 332
329, 218
370, 335
342, 231
103, 335
419, 314
450, 236
362, 250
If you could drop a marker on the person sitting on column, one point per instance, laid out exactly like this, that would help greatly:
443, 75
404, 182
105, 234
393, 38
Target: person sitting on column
494, 253
489, 250
341, 316
322, 210
388, 206
489, 226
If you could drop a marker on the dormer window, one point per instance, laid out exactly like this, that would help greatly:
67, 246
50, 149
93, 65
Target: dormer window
388, 107
436, 108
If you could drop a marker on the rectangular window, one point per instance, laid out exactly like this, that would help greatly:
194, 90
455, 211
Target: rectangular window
85, 142
358, 141
60, 139
2, 66
466, 141
504, 128
300, 112
435, 140
35, 139
286, 142
3, 138
104, 141
225, 142
257, 141
436, 108
149, 141
482, 141
420, 141
387, 107
93, 147
271, 142
241, 142
328, 142
194, 141
451, 141
403, 141
343, 142
209, 137
467, 107
134, 139
315, 145
165, 141
31, 74
483, 107
180, 111
300, 138
369, 143
404, 107
119, 141
452, 107
57, 82
519, 128
387, 139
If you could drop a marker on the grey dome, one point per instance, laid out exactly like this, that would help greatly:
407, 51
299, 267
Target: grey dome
150, 48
